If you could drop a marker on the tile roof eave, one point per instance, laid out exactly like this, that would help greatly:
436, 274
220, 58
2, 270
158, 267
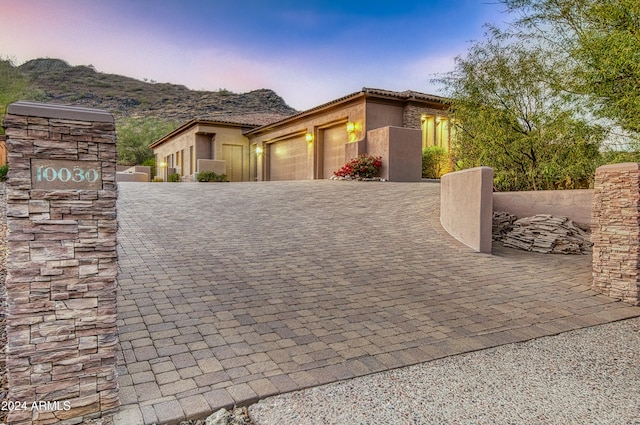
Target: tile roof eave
196, 121
365, 92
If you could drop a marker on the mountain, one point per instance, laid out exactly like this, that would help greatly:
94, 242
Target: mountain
56, 81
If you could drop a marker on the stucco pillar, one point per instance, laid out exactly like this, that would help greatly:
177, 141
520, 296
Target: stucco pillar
62, 263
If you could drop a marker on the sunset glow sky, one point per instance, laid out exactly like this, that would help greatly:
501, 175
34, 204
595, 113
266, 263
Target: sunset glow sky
309, 52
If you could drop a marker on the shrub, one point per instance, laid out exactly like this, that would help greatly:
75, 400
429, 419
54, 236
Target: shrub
210, 176
174, 178
435, 162
157, 179
4, 169
364, 166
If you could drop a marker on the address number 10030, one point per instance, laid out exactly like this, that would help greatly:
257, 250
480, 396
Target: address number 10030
64, 174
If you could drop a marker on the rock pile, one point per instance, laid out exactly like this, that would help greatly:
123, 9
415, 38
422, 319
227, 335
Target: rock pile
502, 224
547, 234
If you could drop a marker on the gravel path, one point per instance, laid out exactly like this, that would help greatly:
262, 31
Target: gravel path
588, 376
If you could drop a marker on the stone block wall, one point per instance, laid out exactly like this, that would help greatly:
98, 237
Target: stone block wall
615, 232
62, 263
412, 115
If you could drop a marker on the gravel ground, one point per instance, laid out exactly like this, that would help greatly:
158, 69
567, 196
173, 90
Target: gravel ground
588, 376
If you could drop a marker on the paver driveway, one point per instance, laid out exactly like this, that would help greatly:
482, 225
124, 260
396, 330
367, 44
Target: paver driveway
233, 292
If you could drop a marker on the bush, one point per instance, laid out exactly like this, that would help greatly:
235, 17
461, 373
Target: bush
4, 169
157, 179
435, 162
174, 178
364, 167
210, 176
151, 163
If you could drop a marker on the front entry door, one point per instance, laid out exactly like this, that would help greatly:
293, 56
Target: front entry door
232, 154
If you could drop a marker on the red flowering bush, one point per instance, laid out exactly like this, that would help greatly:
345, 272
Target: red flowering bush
364, 166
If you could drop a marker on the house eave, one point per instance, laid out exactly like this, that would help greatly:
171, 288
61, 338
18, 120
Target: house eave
366, 93
195, 122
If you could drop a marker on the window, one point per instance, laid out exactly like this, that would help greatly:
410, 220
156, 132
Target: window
435, 131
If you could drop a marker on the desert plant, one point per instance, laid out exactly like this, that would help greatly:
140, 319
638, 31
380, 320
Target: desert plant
4, 169
210, 176
435, 162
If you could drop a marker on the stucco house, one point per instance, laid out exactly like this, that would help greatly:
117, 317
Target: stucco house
311, 144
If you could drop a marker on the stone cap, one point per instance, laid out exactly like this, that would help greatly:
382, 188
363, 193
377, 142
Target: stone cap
48, 110
622, 166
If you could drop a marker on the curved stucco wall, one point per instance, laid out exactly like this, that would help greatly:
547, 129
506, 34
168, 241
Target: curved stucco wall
466, 206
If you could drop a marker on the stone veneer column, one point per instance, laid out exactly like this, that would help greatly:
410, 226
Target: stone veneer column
616, 232
61, 264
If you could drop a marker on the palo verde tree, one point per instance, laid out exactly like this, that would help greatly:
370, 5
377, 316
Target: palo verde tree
597, 42
135, 135
509, 114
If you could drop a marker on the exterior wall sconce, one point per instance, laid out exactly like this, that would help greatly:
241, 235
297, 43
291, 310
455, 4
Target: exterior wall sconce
308, 137
259, 150
163, 164
351, 127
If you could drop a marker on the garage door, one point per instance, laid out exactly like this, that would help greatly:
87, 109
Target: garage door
288, 160
333, 141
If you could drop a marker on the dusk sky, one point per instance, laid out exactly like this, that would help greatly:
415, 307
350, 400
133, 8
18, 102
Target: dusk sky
309, 52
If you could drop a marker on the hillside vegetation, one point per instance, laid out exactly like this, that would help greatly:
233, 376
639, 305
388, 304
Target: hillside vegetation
54, 80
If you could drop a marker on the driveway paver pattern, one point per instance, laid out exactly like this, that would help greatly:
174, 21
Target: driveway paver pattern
233, 292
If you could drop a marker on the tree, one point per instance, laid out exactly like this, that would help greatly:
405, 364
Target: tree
599, 42
14, 86
136, 134
508, 113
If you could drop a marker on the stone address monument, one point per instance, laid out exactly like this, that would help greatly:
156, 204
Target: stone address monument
61, 264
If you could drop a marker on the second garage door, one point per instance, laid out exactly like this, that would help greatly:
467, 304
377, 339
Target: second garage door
333, 141
288, 160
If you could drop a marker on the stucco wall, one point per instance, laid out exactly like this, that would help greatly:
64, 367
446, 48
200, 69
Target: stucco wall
383, 115
202, 149
575, 204
466, 206
217, 166
400, 151
132, 177
353, 111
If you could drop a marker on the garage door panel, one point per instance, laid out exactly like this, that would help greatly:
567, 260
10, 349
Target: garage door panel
333, 150
288, 160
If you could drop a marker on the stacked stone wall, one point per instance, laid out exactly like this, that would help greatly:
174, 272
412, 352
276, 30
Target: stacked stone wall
62, 264
412, 115
616, 232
